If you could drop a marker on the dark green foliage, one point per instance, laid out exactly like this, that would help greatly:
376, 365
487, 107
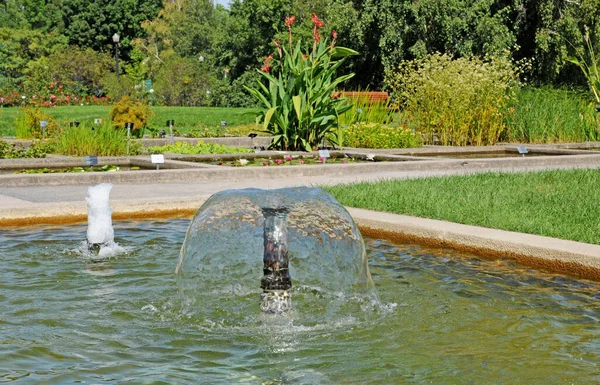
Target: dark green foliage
91, 24
234, 41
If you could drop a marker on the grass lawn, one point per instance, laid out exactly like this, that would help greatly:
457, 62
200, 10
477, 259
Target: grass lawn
186, 118
561, 204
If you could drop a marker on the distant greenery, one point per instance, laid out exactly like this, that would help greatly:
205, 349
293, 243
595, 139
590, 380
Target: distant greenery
200, 148
186, 119
69, 42
561, 204
547, 115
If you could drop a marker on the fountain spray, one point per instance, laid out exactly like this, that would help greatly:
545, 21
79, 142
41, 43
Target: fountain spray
100, 232
276, 281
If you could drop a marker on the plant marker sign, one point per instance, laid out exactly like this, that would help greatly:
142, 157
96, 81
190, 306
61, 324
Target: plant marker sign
157, 159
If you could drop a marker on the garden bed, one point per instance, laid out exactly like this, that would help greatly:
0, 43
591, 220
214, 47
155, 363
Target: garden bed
276, 158
482, 153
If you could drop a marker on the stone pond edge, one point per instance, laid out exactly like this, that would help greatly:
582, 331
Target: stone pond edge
549, 254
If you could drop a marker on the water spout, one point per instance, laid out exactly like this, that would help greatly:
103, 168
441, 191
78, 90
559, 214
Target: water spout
239, 237
276, 281
100, 232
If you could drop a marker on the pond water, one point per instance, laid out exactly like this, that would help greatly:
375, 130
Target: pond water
443, 317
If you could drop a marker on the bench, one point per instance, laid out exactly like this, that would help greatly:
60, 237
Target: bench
375, 97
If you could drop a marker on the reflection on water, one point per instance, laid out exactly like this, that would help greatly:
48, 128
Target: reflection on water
458, 319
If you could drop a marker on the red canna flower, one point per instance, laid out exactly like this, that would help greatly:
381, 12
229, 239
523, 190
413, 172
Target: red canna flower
289, 21
316, 21
267, 66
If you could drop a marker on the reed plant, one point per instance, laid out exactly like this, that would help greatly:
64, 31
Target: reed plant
365, 110
102, 140
549, 115
378, 135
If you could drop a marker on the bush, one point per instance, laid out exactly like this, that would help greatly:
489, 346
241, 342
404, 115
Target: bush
455, 102
118, 87
103, 140
27, 124
199, 148
129, 111
377, 135
181, 82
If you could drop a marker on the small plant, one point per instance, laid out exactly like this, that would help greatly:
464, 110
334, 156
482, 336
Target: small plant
300, 99
200, 148
377, 135
455, 102
35, 150
28, 124
130, 111
103, 140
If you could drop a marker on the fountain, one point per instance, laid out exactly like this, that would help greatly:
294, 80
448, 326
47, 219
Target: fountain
302, 233
459, 319
100, 233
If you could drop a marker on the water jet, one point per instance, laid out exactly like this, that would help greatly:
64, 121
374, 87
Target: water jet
301, 233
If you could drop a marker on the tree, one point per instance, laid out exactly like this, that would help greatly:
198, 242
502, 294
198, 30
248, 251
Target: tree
19, 46
92, 24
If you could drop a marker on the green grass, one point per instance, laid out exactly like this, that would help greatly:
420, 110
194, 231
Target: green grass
547, 115
561, 204
186, 118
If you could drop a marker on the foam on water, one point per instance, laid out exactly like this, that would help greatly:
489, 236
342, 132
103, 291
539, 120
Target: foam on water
100, 230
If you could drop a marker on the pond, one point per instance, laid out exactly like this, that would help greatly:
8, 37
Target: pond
443, 317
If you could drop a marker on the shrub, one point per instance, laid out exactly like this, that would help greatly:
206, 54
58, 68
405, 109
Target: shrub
181, 82
199, 148
455, 102
103, 140
377, 135
129, 111
117, 87
301, 105
27, 124
590, 67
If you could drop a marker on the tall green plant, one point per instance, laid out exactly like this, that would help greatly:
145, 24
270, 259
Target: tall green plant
590, 68
300, 99
104, 140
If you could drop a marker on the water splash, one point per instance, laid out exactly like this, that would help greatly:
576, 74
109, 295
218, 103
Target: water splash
225, 245
100, 233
